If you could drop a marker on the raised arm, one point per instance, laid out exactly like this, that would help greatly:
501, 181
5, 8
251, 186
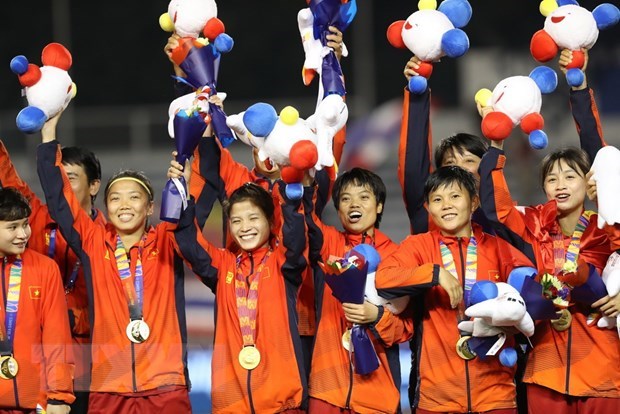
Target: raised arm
10, 178
497, 204
584, 110
414, 152
294, 238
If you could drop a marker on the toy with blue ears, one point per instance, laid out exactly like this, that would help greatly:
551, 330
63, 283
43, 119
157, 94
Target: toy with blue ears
331, 112
198, 57
431, 33
517, 100
569, 26
48, 88
286, 140
497, 307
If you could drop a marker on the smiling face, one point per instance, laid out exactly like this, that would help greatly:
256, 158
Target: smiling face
83, 190
566, 186
451, 208
249, 226
572, 27
358, 209
14, 235
464, 159
128, 207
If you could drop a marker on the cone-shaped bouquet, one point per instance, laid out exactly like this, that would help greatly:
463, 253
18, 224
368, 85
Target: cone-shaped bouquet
201, 66
189, 125
347, 279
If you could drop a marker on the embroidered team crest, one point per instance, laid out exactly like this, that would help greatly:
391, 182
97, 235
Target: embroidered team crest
107, 255
153, 255
266, 273
35, 292
494, 275
229, 277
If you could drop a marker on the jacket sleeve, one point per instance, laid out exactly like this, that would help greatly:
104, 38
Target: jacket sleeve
403, 273
202, 257
64, 208
294, 239
587, 121
56, 339
414, 157
498, 206
392, 329
10, 178
320, 235
206, 184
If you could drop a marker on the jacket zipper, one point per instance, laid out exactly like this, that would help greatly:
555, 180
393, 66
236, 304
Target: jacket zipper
463, 270
249, 385
568, 347
4, 261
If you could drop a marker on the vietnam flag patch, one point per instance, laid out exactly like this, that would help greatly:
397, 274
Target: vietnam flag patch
35, 292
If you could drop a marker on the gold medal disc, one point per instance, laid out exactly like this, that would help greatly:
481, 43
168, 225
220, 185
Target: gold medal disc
137, 331
8, 367
462, 348
249, 357
346, 340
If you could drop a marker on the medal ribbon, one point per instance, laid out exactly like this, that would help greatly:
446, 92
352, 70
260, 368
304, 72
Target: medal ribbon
247, 301
471, 265
7, 331
568, 262
133, 291
70, 283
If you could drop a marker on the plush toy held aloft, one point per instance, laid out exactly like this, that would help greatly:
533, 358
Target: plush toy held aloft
48, 88
286, 140
611, 278
431, 33
517, 101
192, 18
569, 26
331, 113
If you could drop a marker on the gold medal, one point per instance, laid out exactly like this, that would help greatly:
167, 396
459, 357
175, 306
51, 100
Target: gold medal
8, 367
462, 348
137, 331
563, 322
346, 340
249, 357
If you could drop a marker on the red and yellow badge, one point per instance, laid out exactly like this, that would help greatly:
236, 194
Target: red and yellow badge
35, 292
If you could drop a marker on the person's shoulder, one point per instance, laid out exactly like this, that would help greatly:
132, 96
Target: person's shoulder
33, 259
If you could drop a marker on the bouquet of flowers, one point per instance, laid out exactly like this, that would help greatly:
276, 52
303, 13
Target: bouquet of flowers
555, 290
346, 276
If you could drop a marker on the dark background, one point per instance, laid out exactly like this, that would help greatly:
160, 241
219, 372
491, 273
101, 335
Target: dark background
117, 47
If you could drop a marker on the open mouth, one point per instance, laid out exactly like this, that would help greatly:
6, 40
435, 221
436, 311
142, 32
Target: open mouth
408, 26
557, 19
247, 237
355, 216
124, 218
449, 216
562, 197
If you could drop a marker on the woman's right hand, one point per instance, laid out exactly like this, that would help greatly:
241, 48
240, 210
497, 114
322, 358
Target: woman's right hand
411, 68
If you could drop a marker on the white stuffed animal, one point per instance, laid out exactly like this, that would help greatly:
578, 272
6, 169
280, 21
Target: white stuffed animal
569, 26
611, 278
504, 310
189, 18
606, 168
330, 117
431, 33
286, 140
48, 88
517, 100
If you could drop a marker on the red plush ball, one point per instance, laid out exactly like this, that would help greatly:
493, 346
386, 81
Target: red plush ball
303, 155
213, 29
31, 76
394, 34
532, 122
291, 174
578, 60
543, 47
56, 55
425, 69
496, 126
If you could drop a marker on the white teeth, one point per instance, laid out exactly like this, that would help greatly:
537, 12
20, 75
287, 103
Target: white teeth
355, 215
448, 216
247, 236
